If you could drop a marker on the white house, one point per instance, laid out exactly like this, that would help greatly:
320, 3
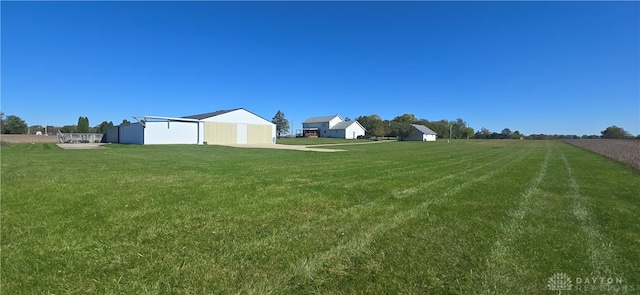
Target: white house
422, 133
236, 126
332, 126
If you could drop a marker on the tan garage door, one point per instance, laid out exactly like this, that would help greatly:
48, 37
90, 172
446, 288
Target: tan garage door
220, 133
227, 133
258, 134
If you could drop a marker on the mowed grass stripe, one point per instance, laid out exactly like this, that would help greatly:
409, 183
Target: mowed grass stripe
545, 224
428, 157
437, 198
499, 271
608, 190
203, 220
338, 258
257, 243
602, 257
357, 214
466, 169
417, 193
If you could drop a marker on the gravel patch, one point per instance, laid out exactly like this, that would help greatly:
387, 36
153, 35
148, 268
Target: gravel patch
81, 146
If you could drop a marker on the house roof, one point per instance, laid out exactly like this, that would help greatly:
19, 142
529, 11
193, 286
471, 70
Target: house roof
423, 129
320, 119
209, 115
345, 125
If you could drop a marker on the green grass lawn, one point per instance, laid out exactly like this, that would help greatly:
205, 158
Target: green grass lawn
484, 217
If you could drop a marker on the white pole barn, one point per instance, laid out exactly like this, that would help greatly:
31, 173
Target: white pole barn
236, 126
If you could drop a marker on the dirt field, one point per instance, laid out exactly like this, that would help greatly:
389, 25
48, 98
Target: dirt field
624, 150
21, 138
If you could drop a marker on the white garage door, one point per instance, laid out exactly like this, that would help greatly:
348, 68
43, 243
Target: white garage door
242, 134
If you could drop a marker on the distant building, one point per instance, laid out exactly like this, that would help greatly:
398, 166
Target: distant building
422, 133
332, 126
236, 126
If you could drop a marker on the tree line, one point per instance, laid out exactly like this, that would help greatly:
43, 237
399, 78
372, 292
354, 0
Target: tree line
15, 125
399, 126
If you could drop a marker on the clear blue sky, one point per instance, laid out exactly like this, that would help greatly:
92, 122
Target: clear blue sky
536, 67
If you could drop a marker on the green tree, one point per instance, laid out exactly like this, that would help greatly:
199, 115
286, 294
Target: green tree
484, 133
506, 133
459, 128
369, 122
615, 132
125, 122
439, 127
1, 122
401, 125
282, 124
378, 129
406, 118
69, 129
103, 127
469, 133
15, 125
83, 125
516, 135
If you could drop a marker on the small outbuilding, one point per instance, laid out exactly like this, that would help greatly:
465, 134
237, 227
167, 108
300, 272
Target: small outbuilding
422, 133
236, 126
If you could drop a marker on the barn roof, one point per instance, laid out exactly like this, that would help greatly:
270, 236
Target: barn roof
209, 115
423, 129
320, 119
345, 125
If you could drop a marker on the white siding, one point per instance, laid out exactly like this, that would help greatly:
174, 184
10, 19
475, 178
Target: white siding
335, 121
132, 133
243, 118
200, 132
335, 133
171, 133
430, 137
273, 133
239, 126
238, 116
353, 131
242, 134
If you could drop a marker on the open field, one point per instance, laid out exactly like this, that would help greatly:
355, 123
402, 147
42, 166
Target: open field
23, 138
475, 216
624, 150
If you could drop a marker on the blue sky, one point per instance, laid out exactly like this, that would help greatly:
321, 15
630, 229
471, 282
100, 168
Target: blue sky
536, 67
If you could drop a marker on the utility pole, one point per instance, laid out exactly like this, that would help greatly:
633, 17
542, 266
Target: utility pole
450, 128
